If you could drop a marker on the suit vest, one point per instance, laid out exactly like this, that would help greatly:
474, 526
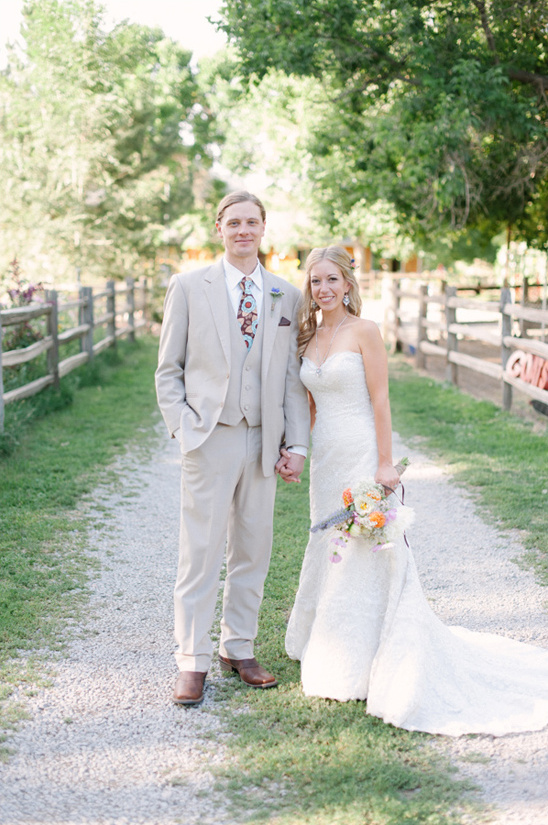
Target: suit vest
243, 397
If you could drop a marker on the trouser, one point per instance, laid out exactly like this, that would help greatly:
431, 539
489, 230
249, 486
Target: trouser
226, 501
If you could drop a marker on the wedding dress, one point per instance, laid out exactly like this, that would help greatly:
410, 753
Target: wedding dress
363, 628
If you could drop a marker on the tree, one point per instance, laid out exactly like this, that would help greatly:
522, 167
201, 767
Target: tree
262, 143
437, 107
264, 135
102, 136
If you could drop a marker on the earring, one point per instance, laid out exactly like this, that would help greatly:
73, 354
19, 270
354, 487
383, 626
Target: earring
346, 299
314, 305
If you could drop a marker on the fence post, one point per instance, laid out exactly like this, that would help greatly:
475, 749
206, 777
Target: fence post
111, 308
395, 310
144, 285
53, 330
1, 382
420, 358
130, 283
451, 372
506, 331
523, 302
86, 317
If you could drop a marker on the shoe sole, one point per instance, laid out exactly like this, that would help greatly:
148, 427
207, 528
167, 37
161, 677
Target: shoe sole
188, 702
228, 668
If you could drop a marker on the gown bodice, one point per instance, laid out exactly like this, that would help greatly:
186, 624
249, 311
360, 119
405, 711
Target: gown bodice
344, 448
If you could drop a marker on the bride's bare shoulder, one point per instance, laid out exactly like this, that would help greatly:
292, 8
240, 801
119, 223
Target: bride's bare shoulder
369, 330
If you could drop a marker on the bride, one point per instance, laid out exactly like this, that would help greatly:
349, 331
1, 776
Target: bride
362, 628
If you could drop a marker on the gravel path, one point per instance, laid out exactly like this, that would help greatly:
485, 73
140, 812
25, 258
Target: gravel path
470, 578
105, 744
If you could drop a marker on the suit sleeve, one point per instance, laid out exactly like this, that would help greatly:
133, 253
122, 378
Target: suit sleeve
296, 408
170, 383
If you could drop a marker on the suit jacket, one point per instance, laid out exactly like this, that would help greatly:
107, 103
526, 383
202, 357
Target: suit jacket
194, 361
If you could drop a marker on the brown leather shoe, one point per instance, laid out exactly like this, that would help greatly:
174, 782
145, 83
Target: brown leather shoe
249, 671
189, 688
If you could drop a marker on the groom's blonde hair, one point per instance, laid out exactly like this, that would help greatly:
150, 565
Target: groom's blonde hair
241, 196
307, 318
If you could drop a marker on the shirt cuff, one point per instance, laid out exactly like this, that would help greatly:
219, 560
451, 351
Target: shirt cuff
299, 449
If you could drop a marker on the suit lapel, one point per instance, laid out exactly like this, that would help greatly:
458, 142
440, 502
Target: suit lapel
272, 309
215, 290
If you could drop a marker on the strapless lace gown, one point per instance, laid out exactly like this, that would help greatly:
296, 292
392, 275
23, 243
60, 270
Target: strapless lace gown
363, 629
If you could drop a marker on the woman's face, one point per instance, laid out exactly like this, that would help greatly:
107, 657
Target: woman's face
328, 285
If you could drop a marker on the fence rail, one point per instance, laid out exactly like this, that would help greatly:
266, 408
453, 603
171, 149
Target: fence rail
432, 325
97, 312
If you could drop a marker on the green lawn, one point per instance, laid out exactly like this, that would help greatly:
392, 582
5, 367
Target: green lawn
56, 449
494, 453
294, 760
302, 760
307, 760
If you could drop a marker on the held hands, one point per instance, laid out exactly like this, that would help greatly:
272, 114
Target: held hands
290, 466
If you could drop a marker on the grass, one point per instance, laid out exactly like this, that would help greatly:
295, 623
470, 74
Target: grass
56, 449
302, 760
493, 453
306, 760
292, 760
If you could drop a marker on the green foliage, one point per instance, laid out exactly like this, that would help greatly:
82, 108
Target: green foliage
533, 224
94, 166
21, 292
57, 460
275, 149
438, 109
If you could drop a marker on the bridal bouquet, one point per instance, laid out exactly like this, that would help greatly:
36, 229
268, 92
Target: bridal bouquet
369, 514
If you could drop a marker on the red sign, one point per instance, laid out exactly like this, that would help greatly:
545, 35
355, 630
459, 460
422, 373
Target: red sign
530, 368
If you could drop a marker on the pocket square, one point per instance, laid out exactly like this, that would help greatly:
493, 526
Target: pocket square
284, 322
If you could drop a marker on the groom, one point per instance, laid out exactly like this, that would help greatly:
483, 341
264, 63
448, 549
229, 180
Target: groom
229, 390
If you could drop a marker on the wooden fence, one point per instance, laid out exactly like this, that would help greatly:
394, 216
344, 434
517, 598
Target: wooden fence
101, 320
431, 324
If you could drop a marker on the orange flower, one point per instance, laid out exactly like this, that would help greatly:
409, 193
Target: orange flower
377, 519
347, 496
374, 496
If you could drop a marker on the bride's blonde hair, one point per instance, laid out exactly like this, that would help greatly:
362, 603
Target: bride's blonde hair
308, 321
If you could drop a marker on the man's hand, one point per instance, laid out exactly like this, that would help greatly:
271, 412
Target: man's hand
290, 466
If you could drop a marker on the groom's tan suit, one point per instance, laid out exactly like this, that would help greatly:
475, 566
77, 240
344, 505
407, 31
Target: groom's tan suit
231, 409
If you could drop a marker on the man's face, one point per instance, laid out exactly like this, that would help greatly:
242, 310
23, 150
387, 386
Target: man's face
241, 229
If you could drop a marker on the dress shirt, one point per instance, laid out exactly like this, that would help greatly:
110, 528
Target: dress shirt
233, 278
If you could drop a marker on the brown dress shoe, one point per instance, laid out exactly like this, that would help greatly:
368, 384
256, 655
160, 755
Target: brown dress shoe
189, 688
249, 671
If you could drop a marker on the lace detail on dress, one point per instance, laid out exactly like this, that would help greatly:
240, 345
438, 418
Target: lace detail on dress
363, 628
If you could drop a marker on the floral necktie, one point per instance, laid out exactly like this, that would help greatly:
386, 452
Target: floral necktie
247, 312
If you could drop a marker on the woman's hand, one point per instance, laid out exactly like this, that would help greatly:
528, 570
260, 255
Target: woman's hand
388, 476
290, 466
